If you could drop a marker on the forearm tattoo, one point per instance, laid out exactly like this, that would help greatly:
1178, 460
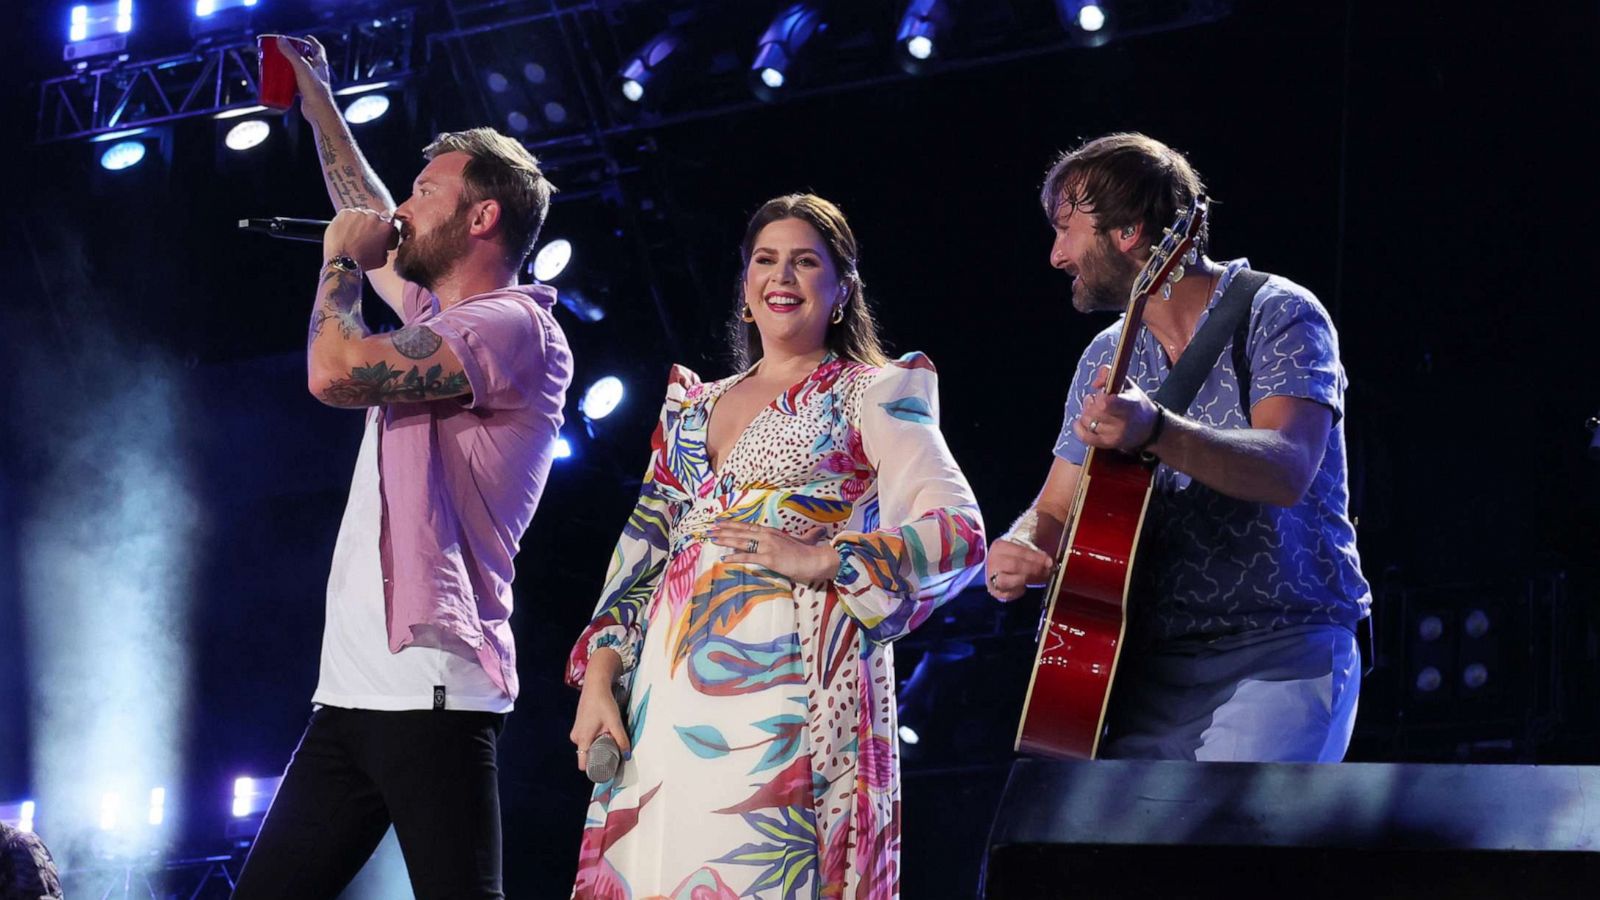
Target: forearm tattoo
380, 383
339, 299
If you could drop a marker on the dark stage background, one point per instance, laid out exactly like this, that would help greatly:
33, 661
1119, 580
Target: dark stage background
1420, 166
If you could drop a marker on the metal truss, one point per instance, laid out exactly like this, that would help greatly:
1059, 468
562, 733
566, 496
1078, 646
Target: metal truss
211, 78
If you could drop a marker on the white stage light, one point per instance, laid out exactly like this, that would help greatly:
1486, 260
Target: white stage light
633, 90
919, 47
247, 134
601, 398
1091, 17
110, 807
552, 259
78, 24
366, 108
772, 78
244, 790
908, 735
563, 448
158, 805
241, 111
29, 809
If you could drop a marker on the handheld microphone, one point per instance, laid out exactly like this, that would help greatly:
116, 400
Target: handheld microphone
604, 759
287, 229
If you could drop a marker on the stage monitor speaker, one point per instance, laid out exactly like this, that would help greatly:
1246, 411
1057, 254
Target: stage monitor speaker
1353, 831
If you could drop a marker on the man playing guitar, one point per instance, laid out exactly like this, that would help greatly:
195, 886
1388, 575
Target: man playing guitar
1247, 589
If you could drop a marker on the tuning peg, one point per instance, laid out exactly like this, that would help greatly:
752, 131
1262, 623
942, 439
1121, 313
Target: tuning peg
1166, 291
1176, 276
1193, 256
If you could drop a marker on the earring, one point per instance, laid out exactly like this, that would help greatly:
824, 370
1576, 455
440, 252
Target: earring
838, 314
746, 315
1127, 231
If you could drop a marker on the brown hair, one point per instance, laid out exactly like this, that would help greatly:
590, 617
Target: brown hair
856, 337
501, 169
1125, 179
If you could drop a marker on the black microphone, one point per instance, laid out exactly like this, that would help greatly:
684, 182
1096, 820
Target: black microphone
288, 229
603, 759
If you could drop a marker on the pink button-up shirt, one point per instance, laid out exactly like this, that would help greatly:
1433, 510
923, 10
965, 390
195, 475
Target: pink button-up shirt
460, 478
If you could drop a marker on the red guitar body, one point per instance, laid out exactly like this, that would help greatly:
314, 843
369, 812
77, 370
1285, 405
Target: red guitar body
1086, 605
1085, 617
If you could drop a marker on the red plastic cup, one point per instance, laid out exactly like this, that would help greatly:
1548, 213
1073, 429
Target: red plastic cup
277, 84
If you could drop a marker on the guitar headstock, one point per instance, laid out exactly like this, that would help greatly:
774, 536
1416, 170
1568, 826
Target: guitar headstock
1164, 268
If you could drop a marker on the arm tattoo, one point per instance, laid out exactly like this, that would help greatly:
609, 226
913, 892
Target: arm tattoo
416, 341
380, 383
326, 150
339, 299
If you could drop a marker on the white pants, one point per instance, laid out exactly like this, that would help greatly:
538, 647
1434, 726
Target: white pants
1289, 696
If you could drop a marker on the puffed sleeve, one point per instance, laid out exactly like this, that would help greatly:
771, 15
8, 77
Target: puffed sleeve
927, 542
641, 553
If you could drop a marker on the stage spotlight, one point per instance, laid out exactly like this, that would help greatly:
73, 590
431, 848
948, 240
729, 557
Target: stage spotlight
601, 398
780, 46
158, 805
552, 259
908, 735
97, 29
244, 790
922, 25
18, 815
1087, 19
1429, 680
122, 155
204, 9
646, 66
366, 108
517, 121
555, 113
498, 82
247, 134
563, 448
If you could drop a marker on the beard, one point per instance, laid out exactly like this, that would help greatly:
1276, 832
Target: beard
1105, 278
428, 258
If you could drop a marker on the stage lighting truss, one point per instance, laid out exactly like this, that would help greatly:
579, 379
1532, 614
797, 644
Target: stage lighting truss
210, 79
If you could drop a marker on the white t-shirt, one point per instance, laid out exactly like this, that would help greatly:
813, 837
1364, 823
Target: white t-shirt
358, 671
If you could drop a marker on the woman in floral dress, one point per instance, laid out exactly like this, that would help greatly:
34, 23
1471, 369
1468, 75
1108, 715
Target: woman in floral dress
794, 520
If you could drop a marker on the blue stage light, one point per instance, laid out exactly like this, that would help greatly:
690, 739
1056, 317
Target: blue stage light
921, 26
601, 398
781, 44
122, 155
78, 24
205, 8
124, 16
646, 66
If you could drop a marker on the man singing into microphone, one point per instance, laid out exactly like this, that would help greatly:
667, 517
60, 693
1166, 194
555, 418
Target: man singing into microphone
462, 407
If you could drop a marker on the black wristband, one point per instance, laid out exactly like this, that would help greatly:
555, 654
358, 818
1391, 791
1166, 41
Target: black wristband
1155, 431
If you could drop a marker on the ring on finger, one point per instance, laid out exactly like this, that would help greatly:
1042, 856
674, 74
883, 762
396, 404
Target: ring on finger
752, 546
1094, 426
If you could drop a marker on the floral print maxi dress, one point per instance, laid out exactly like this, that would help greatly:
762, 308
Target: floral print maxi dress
762, 712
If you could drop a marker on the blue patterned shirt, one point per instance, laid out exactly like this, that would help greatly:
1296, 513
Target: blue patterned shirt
1211, 566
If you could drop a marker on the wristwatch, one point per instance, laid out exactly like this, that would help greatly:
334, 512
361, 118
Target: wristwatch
343, 264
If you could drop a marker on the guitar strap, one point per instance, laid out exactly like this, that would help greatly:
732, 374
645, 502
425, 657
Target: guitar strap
1228, 322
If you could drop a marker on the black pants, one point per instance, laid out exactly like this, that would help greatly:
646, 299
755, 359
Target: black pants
432, 774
